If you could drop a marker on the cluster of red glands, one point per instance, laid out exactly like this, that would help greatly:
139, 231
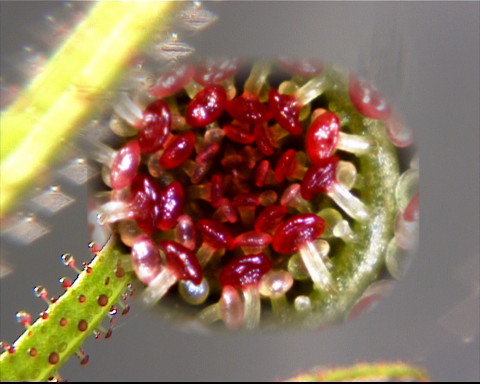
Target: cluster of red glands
218, 190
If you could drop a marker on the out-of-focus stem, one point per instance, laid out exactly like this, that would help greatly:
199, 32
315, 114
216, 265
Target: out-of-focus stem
45, 115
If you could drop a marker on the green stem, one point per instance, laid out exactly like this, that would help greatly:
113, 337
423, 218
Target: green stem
368, 372
359, 263
71, 320
56, 103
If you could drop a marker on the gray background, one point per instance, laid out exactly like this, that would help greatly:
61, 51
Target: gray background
438, 91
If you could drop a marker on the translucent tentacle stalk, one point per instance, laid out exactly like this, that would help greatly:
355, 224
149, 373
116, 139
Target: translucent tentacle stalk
158, 287
356, 144
257, 79
312, 257
128, 110
352, 205
252, 307
312, 89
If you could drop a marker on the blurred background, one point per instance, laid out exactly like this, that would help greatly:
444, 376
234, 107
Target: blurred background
425, 56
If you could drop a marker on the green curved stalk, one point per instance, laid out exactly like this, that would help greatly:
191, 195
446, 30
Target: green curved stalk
56, 103
359, 263
385, 371
64, 330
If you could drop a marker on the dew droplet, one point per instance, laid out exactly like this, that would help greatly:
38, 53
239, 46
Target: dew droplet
7, 346
24, 318
41, 292
44, 315
297, 268
130, 291
302, 303
65, 282
126, 310
63, 322
68, 260
32, 352
113, 311
82, 299
275, 284
84, 360
87, 268
194, 294
94, 247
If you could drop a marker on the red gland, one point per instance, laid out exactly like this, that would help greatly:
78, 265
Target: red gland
216, 190
286, 111
183, 261
239, 133
178, 150
172, 80
286, 165
227, 211
146, 259
411, 212
262, 172
296, 231
245, 271
207, 153
319, 177
172, 203
322, 136
146, 202
246, 200
154, 127
270, 218
367, 99
248, 109
215, 234
253, 241
125, 165
206, 107
263, 139
212, 71
303, 67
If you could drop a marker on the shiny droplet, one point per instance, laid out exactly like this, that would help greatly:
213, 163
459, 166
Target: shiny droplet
41, 292
23, 318
194, 294
206, 107
275, 284
302, 303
